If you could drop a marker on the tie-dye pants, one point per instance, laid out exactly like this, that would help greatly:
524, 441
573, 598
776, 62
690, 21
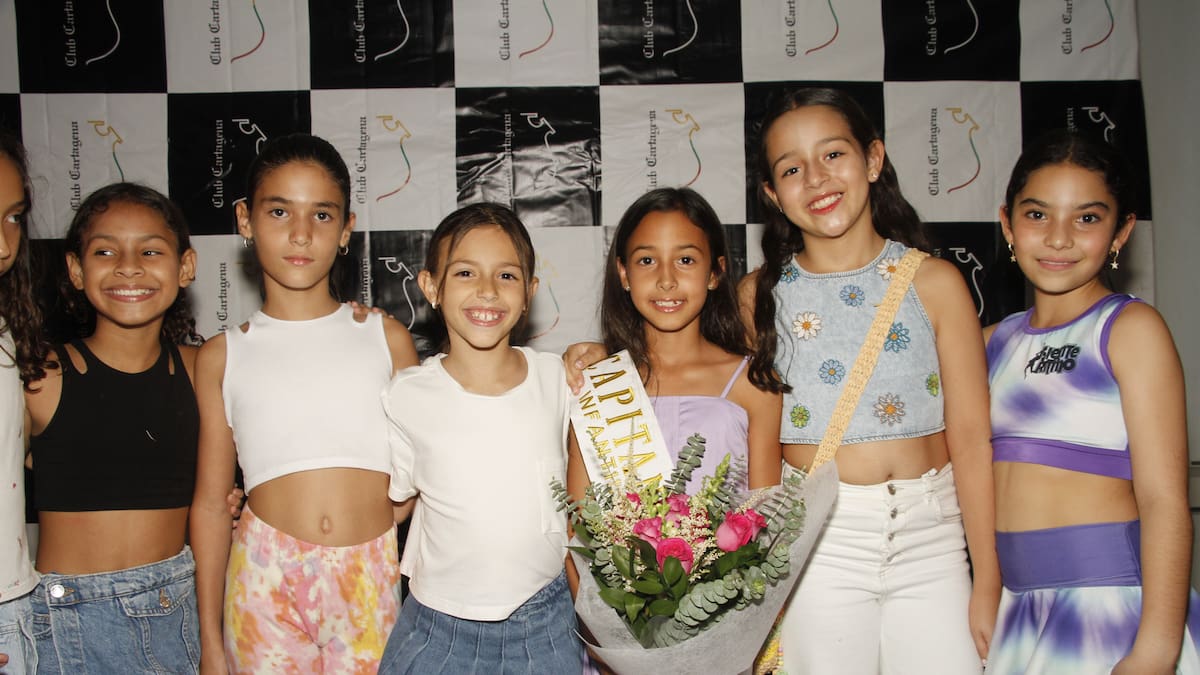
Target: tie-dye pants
293, 606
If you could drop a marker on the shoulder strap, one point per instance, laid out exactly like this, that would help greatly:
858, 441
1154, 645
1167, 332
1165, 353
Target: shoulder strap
868, 354
733, 378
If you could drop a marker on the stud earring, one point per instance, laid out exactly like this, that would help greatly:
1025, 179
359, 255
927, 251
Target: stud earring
1115, 252
343, 250
1012, 256
874, 176
247, 242
626, 289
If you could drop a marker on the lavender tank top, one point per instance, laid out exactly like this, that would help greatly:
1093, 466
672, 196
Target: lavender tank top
723, 424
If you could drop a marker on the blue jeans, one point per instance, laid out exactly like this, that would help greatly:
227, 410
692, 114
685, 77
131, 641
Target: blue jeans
539, 637
16, 637
138, 620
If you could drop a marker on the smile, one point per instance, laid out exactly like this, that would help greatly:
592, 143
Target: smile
825, 203
668, 305
484, 317
130, 294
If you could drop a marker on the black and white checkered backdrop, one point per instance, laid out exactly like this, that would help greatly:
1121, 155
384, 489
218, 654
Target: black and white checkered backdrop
564, 109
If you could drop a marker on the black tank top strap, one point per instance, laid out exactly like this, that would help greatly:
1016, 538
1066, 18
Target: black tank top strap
89, 359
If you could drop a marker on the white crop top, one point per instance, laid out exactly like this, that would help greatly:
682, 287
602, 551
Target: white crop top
303, 395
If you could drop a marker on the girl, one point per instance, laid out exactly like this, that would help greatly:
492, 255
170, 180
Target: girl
668, 300
887, 588
1090, 437
478, 432
114, 425
22, 355
311, 581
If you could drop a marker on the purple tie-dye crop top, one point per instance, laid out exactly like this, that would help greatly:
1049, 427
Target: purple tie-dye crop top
723, 424
1054, 399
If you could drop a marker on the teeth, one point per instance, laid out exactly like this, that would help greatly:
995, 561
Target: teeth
484, 315
825, 202
668, 303
131, 292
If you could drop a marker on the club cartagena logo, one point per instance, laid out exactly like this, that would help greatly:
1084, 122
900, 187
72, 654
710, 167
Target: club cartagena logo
390, 125
931, 29
397, 267
1067, 45
105, 130
1097, 116
360, 28
549, 33
684, 118
262, 34
958, 116
536, 121
789, 21
967, 258
221, 168
505, 22
648, 46
69, 28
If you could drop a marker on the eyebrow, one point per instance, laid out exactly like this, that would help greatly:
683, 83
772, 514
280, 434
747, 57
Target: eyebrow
274, 199
19, 205
647, 247
1081, 207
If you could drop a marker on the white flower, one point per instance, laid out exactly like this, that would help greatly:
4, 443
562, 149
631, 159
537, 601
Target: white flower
887, 267
889, 409
807, 325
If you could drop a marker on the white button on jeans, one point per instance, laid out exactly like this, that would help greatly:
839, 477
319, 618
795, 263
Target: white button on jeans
57, 591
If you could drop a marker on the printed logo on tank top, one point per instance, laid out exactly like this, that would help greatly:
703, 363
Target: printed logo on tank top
1053, 360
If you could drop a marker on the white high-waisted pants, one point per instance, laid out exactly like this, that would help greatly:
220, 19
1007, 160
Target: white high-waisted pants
887, 587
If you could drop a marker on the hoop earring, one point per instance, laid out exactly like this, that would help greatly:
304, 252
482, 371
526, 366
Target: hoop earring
1115, 252
1012, 257
343, 250
247, 242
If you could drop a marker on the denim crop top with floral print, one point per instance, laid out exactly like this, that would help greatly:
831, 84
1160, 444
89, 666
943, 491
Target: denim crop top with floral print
821, 321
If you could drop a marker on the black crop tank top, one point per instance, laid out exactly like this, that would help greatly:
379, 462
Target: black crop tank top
118, 440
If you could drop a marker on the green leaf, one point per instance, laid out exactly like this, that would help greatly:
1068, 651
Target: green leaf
633, 605
621, 560
679, 588
646, 552
583, 551
672, 570
613, 597
648, 587
663, 607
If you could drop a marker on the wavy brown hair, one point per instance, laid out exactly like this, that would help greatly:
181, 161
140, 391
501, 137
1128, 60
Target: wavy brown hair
179, 326
892, 215
21, 314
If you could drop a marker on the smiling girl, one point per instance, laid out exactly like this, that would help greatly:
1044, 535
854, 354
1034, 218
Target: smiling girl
113, 445
311, 581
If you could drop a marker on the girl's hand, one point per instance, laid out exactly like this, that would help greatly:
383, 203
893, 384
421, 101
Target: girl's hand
981, 617
579, 356
213, 662
235, 499
3, 659
361, 311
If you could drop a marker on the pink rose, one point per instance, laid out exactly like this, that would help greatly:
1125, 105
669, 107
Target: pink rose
633, 497
738, 529
649, 529
678, 508
675, 548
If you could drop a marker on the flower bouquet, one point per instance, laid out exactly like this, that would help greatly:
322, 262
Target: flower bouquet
690, 583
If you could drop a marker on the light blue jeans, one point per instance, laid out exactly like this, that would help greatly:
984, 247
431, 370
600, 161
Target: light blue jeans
539, 637
138, 620
16, 637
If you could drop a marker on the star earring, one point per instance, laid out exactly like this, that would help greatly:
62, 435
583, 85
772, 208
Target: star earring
1113, 264
1012, 256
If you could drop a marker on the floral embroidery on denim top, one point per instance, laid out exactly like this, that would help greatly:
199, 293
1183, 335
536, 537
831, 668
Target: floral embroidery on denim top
897, 338
887, 267
852, 295
800, 417
933, 384
789, 274
807, 325
889, 409
832, 371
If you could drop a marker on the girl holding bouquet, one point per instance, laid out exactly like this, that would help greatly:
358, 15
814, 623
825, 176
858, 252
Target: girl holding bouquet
887, 588
113, 425
1090, 437
478, 433
668, 300
311, 580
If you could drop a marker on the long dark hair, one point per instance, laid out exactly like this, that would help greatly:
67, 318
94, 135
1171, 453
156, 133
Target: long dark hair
455, 226
21, 314
623, 326
891, 214
179, 326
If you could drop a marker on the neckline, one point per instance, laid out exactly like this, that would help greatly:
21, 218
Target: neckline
887, 245
1029, 329
342, 308
525, 354
92, 360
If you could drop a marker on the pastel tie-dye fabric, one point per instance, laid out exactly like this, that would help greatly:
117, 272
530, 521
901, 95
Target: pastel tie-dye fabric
296, 607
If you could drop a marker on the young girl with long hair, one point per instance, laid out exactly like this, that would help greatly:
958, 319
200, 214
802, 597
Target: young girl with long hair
887, 588
113, 424
22, 357
1090, 435
311, 580
669, 300
478, 432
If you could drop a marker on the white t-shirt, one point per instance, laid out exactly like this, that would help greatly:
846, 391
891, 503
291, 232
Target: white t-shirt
17, 576
485, 533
